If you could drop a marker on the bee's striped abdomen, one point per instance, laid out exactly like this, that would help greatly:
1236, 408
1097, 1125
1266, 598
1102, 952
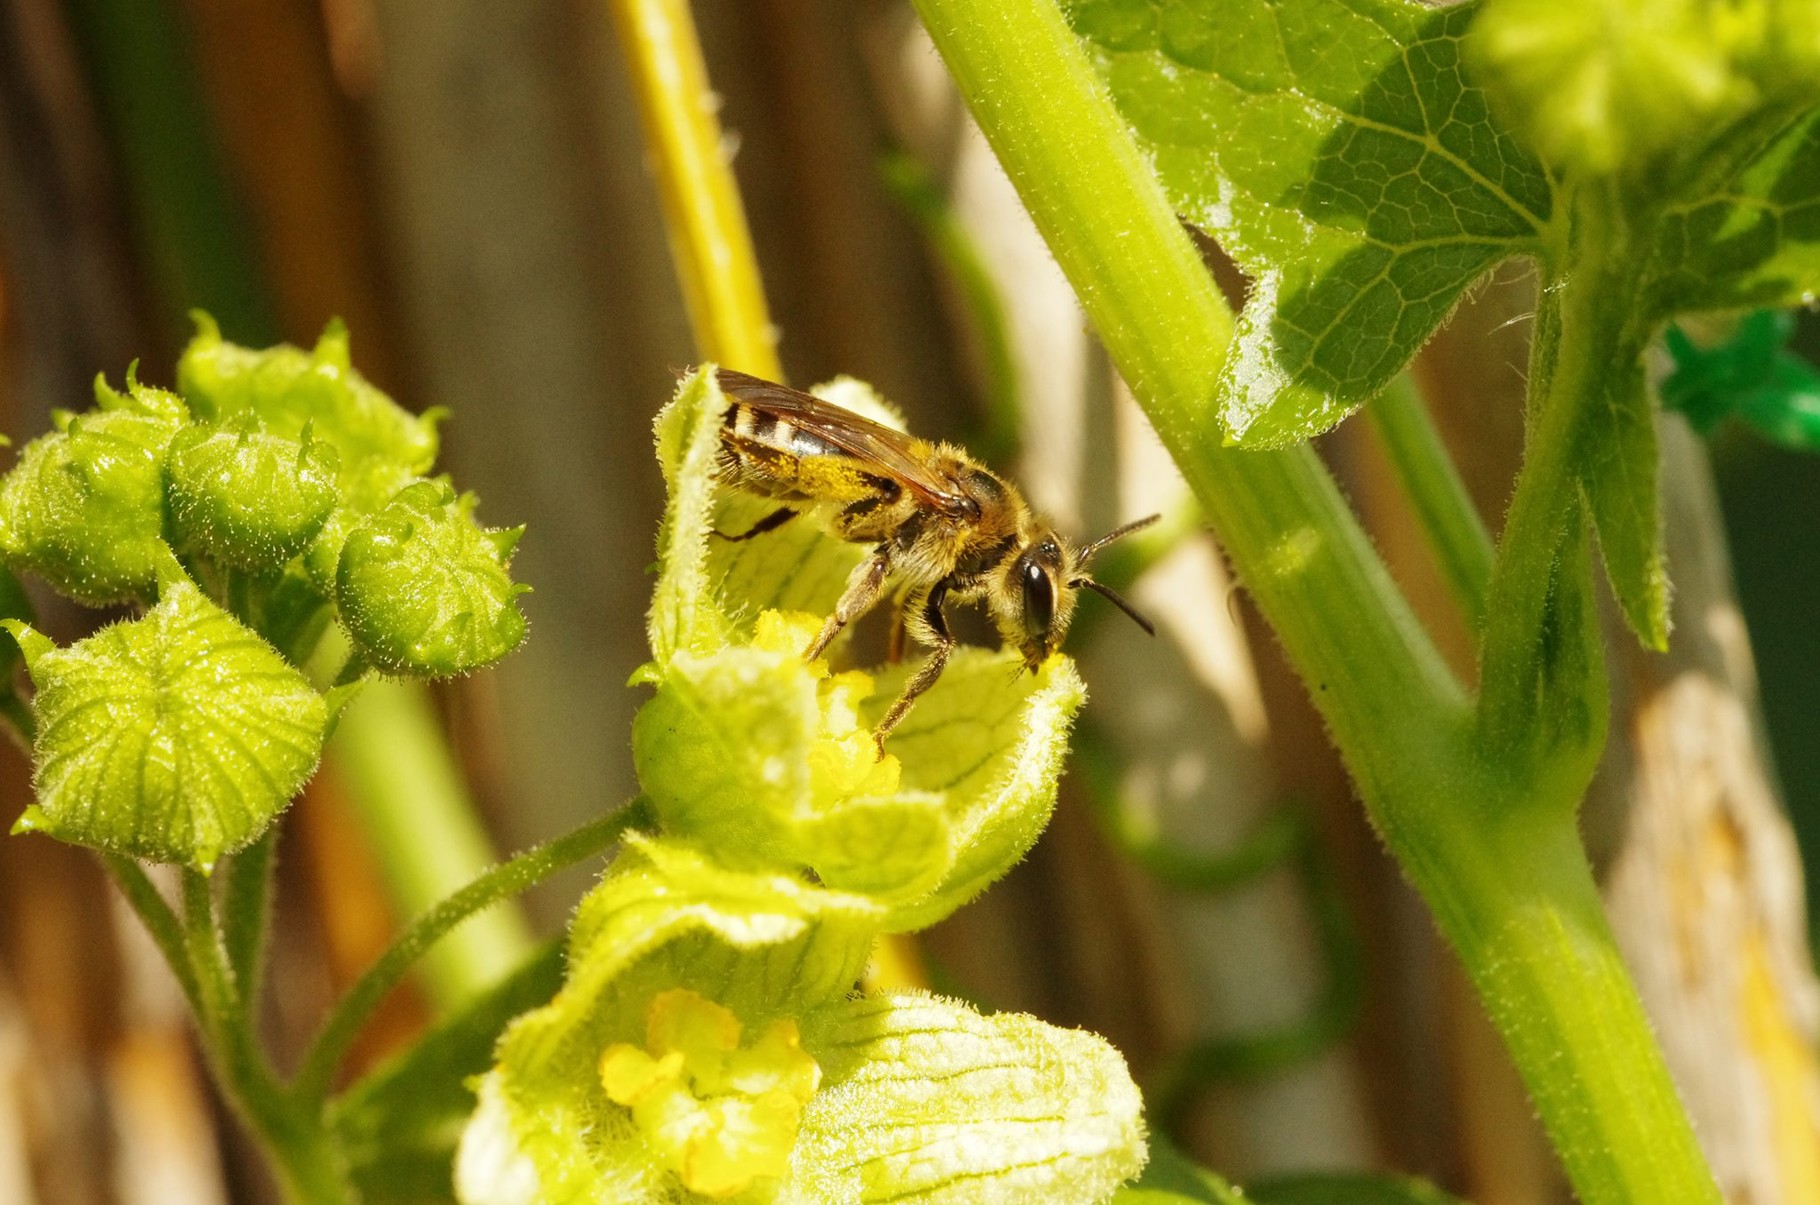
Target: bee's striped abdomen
750, 425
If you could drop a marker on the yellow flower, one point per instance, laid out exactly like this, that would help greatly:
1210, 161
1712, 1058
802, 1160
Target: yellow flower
843, 760
719, 1115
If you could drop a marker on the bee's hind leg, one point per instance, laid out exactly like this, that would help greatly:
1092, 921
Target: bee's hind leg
863, 587
928, 624
770, 522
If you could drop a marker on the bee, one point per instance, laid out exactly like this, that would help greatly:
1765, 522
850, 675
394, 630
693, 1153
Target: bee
941, 525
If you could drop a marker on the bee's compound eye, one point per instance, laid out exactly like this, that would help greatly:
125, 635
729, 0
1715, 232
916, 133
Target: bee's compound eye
1039, 600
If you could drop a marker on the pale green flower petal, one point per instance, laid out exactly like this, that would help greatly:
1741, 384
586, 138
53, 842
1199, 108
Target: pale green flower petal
925, 1102
764, 946
991, 739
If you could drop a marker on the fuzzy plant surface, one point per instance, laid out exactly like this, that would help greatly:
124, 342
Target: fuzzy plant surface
708, 1042
273, 494
273, 532
1365, 162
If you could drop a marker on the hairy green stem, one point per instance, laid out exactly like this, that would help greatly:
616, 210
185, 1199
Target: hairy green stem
423, 828
501, 881
294, 1133
1297, 546
246, 901
159, 921
1493, 850
1455, 532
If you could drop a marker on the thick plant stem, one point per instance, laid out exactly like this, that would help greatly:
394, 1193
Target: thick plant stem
1516, 897
1492, 850
708, 236
1298, 548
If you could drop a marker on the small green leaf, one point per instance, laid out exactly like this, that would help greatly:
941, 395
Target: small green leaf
925, 1102
247, 498
1339, 155
84, 507
422, 588
290, 389
176, 737
1751, 239
1618, 471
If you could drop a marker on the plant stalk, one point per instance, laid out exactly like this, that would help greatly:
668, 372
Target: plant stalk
1462, 546
1502, 871
709, 241
294, 1133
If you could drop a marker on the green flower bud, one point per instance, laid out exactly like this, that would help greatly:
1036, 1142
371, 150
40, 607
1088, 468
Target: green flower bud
290, 389
248, 498
177, 736
84, 507
1610, 86
423, 589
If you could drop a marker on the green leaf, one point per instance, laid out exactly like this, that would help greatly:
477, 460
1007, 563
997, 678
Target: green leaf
1752, 240
247, 498
423, 589
177, 736
398, 1127
1339, 155
84, 507
925, 1102
1618, 468
1340, 1188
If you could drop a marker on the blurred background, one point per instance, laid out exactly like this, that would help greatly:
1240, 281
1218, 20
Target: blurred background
463, 182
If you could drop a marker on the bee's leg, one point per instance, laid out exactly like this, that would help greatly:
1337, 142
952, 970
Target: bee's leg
894, 643
929, 625
863, 586
770, 522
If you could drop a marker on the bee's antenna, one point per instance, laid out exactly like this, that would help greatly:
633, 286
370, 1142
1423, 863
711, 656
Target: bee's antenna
1113, 595
1117, 533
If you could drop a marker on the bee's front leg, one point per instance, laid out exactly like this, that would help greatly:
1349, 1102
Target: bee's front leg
928, 624
863, 587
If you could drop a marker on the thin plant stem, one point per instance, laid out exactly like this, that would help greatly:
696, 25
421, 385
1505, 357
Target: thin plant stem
159, 921
293, 1131
709, 240
506, 879
1455, 532
245, 912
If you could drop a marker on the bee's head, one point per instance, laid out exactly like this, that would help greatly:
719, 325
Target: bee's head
1044, 576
